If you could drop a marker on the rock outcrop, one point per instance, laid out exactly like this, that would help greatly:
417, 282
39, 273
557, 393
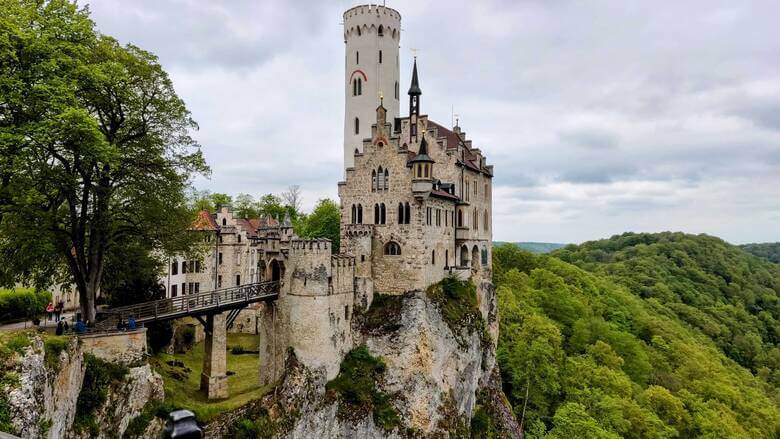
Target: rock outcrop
44, 401
436, 376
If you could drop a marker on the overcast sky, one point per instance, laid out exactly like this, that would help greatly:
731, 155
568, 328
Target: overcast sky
600, 116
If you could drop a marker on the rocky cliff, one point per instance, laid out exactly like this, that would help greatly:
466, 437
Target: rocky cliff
54, 389
430, 363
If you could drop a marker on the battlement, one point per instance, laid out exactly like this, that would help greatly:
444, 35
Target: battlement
354, 230
309, 246
342, 260
366, 20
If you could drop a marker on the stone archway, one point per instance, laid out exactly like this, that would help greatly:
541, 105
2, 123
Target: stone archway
464, 256
475, 258
261, 275
277, 270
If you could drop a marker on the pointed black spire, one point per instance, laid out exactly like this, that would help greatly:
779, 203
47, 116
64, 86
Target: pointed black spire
414, 89
422, 155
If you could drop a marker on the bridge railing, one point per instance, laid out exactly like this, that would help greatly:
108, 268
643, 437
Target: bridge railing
192, 303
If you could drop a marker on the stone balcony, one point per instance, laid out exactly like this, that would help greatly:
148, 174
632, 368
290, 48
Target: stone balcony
462, 233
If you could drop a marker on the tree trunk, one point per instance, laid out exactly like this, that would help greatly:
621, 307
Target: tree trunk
87, 302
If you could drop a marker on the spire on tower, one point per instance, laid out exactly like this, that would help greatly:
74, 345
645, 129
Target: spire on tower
414, 89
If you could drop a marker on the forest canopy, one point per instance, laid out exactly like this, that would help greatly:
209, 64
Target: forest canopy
663, 335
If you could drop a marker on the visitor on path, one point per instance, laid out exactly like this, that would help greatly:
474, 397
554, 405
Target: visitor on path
60, 328
80, 327
64, 325
58, 311
49, 311
120, 326
131, 323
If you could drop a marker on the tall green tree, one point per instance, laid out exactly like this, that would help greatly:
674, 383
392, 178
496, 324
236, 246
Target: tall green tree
323, 222
96, 149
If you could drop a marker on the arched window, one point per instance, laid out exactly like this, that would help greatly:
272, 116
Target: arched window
357, 57
360, 214
224, 221
360, 86
380, 177
382, 213
433, 257
387, 180
354, 214
460, 218
357, 126
407, 213
400, 213
426, 171
376, 214
381, 31
419, 171
392, 249
380, 57
373, 180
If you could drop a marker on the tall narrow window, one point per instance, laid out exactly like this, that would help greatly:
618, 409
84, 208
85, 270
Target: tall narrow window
373, 180
357, 126
433, 257
376, 213
360, 86
354, 87
360, 214
357, 57
387, 180
354, 214
486, 220
407, 214
238, 279
380, 184
382, 213
380, 57
381, 31
174, 268
400, 213
446, 258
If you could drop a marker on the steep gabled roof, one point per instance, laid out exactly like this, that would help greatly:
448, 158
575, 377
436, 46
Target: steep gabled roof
204, 222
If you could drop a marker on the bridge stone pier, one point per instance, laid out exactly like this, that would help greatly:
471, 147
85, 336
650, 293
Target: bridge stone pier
213, 379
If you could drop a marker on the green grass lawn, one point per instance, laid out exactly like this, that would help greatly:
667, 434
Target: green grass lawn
182, 388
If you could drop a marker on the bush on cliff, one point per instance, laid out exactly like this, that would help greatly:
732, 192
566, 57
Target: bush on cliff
357, 390
98, 377
457, 301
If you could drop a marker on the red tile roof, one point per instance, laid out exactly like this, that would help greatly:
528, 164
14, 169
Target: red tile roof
444, 194
204, 221
450, 137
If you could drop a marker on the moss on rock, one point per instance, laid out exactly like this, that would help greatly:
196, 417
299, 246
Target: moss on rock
457, 301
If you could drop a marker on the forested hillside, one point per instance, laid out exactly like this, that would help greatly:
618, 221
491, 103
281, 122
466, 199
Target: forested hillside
662, 335
768, 250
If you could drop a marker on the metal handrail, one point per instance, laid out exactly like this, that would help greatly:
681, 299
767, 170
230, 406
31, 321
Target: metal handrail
193, 304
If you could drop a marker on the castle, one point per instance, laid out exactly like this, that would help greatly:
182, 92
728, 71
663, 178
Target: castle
415, 207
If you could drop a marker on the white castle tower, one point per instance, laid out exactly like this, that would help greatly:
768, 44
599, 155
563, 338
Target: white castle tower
372, 34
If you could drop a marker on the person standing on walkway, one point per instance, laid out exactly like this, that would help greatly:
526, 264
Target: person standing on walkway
49, 310
60, 328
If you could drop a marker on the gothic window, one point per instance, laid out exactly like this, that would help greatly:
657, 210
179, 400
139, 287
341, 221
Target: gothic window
387, 180
357, 126
354, 87
400, 213
360, 214
380, 57
380, 184
426, 171
467, 188
354, 214
486, 191
407, 213
359, 33
224, 221
392, 249
376, 214
382, 212
357, 57
474, 219
373, 180
419, 171
360, 86
381, 31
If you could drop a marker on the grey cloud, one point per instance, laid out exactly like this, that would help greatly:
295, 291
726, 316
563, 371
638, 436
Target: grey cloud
590, 137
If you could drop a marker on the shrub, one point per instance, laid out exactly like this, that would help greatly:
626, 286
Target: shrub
22, 303
384, 315
457, 301
52, 347
159, 335
183, 339
98, 377
356, 388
